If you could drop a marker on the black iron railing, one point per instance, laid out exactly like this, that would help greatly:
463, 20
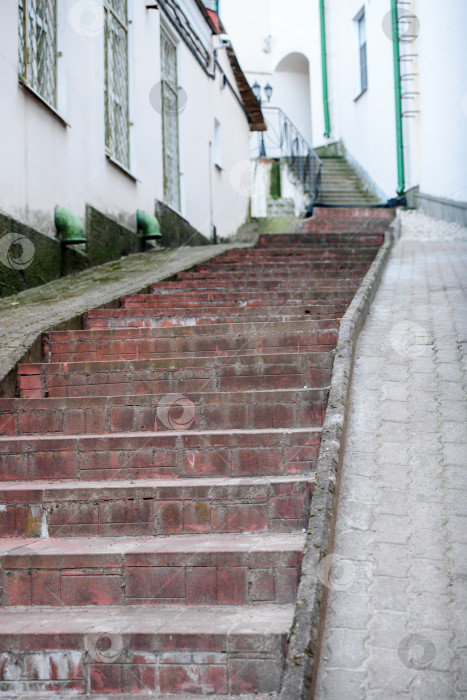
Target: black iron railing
283, 140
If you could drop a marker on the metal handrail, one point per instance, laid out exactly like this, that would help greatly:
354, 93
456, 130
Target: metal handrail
285, 141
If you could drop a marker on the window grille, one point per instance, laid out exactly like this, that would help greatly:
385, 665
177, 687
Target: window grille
170, 136
116, 97
37, 33
362, 51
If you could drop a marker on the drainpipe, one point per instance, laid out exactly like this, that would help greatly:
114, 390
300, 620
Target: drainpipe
398, 99
324, 68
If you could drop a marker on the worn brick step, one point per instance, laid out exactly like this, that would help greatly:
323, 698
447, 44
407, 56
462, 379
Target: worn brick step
244, 327
355, 212
154, 507
206, 411
179, 296
357, 254
325, 267
309, 253
171, 454
291, 306
175, 375
229, 297
146, 343
334, 233
253, 283
261, 267
226, 569
155, 318
144, 649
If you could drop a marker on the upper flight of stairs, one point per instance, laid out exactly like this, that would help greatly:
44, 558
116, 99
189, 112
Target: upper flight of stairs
157, 469
340, 184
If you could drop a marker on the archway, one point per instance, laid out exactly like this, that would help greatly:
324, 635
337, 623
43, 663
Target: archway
291, 82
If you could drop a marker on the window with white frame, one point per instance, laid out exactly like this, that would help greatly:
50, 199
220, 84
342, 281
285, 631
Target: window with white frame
361, 24
37, 33
116, 91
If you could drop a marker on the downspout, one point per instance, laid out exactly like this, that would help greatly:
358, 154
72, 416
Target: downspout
324, 69
398, 99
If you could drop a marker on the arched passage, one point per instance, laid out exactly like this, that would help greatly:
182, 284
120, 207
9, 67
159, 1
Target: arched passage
291, 83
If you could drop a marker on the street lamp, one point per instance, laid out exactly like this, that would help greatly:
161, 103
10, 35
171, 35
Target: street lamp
268, 89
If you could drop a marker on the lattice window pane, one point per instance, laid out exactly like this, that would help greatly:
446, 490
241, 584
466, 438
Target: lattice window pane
117, 133
37, 34
170, 121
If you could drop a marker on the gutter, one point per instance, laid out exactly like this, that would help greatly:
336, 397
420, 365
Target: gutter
398, 99
324, 68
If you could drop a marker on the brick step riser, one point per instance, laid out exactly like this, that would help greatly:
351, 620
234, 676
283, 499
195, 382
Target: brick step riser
360, 213
120, 346
355, 255
260, 268
200, 299
333, 234
152, 456
256, 292
249, 373
170, 579
243, 328
247, 411
104, 511
244, 314
163, 322
252, 284
149, 666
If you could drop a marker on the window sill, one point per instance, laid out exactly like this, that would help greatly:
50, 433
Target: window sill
29, 90
121, 167
360, 94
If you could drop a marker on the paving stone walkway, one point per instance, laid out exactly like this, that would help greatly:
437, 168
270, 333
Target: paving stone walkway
23, 316
396, 622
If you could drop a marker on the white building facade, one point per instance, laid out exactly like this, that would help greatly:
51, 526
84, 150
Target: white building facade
116, 104
307, 49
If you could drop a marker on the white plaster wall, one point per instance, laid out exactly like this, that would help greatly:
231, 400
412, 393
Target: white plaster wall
442, 49
435, 139
44, 162
280, 28
365, 122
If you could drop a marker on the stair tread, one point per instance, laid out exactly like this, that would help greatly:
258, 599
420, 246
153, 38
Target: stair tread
148, 434
31, 552
149, 484
223, 621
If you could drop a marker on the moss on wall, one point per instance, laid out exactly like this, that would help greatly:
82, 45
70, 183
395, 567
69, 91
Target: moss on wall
107, 239
176, 230
35, 262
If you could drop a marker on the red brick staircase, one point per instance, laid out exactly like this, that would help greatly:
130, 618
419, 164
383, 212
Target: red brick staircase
157, 472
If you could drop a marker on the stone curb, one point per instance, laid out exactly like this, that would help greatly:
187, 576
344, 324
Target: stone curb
310, 608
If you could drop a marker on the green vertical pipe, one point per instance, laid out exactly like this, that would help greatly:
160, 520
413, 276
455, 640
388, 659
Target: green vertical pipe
324, 69
398, 99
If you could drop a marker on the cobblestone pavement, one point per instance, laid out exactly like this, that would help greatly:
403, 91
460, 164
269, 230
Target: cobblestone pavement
396, 623
23, 316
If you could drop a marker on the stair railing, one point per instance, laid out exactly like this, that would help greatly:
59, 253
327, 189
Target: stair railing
283, 140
